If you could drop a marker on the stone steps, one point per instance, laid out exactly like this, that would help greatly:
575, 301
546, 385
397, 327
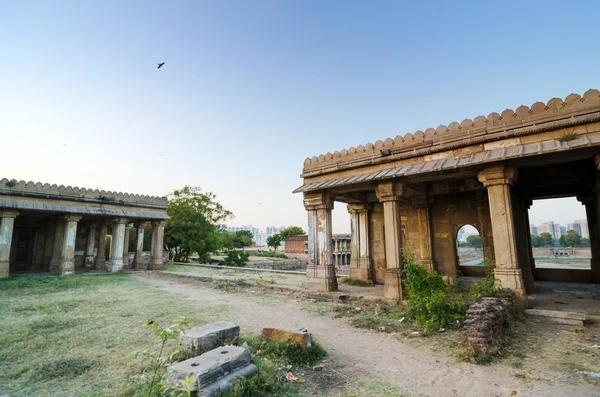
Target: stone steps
563, 317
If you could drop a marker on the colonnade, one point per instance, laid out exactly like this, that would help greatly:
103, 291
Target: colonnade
60, 238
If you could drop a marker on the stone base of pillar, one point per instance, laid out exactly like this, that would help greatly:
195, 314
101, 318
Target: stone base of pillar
595, 264
428, 265
55, 265
321, 278
139, 265
392, 286
67, 267
359, 273
114, 265
513, 279
155, 264
90, 261
4, 269
100, 263
528, 279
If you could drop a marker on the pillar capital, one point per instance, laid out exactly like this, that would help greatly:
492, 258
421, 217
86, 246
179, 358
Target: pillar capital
141, 224
72, 218
129, 226
159, 223
390, 191
356, 208
9, 213
317, 201
120, 221
499, 175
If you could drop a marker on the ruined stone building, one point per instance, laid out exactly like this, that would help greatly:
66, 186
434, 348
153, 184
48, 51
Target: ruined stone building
340, 245
58, 229
418, 190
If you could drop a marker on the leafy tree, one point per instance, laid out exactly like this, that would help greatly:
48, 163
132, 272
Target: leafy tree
242, 238
571, 239
291, 231
546, 239
536, 241
474, 241
193, 225
274, 241
584, 242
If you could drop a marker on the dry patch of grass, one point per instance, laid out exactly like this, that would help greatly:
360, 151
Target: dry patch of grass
78, 335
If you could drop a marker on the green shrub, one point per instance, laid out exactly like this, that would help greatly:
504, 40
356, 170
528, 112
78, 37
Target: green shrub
353, 281
431, 302
235, 258
271, 254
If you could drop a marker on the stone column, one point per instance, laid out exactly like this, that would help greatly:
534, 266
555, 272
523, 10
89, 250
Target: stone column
90, 258
7, 224
139, 247
361, 264
320, 270
498, 180
67, 258
389, 193
158, 235
527, 202
49, 243
101, 257
115, 262
57, 246
128, 228
423, 207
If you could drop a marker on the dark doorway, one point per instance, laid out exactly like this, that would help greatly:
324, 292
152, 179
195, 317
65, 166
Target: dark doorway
24, 249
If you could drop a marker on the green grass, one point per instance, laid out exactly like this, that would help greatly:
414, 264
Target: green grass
354, 281
270, 254
376, 388
78, 335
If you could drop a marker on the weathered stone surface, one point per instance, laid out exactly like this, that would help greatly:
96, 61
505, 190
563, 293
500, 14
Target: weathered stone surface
200, 339
212, 372
282, 335
484, 324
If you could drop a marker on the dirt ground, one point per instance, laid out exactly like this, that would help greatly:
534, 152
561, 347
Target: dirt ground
537, 368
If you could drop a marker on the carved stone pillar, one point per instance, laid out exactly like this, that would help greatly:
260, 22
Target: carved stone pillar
389, 193
128, 228
6, 232
361, 264
498, 180
90, 256
139, 246
320, 270
101, 257
67, 258
523, 250
423, 207
57, 246
158, 234
115, 262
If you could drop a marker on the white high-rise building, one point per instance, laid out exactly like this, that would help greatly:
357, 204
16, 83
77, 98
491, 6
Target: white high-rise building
550, 227
581, 227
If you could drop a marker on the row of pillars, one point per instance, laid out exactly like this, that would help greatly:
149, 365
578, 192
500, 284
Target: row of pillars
321, 272
61, 256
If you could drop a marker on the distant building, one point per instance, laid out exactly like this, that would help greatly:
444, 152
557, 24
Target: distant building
341, 247
581, 227
550, 227
563, 230
533, 229
254, 230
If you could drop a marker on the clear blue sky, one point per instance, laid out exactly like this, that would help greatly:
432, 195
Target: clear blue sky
251, 88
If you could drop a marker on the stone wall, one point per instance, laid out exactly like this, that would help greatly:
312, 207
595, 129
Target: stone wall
296, 244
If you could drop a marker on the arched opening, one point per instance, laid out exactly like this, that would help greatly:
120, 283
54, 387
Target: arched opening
469, 248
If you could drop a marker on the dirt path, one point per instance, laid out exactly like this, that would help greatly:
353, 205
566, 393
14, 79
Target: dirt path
359, 354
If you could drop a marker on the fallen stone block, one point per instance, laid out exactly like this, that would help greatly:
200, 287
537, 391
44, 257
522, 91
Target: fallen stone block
301, 337
212, 372
201, 339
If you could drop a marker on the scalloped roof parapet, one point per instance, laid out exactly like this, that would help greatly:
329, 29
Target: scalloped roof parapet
12, 185
554, 109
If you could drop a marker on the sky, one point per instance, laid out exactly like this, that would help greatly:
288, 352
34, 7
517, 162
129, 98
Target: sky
249, 89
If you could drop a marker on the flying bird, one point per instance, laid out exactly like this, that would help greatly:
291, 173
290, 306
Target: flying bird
160, 65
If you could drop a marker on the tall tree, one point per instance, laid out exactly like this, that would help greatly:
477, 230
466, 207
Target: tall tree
571, 239
242, 239
291, 231
193, 225
474, 241
536, 241
274, 241
546, 239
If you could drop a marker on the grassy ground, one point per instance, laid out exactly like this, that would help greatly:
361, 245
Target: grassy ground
78, 335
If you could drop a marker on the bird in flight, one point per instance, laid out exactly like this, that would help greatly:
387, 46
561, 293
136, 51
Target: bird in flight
160, 65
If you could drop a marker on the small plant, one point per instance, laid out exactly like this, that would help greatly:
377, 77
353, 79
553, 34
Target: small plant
262, 280
157, 360
271, 254
567, 136
353, 281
